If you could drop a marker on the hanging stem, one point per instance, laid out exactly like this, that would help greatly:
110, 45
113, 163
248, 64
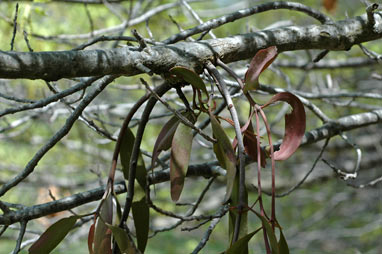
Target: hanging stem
273, 213
242, 191
259, 178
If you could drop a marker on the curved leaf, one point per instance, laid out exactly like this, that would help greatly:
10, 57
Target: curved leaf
53, 236
224, 153
141, 216
190, 76
241, 246
164, 139
259, 63
294, 125
180, 156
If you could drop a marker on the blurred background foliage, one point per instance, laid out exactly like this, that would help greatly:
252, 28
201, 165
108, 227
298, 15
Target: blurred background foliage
325, 215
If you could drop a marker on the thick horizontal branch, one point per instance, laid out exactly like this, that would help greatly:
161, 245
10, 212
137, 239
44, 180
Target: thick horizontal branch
206, 170
128, 61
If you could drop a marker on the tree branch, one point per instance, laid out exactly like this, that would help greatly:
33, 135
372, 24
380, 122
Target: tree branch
341, 35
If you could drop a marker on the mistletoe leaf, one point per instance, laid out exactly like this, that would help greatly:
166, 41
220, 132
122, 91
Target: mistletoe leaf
295, 123
224, 153
259, 63
180, 157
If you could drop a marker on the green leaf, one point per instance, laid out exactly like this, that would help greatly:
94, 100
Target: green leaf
224, 153
283, 245
125, 154
102, 234
190, 76
53, 236
141, 216
122, 239
233, 213
241, 245
164, 139
259, 63
271, 235
180, 157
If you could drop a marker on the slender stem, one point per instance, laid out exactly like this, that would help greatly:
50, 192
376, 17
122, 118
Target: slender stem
259, 179
135, 152
273, 213
223, 88
122, 132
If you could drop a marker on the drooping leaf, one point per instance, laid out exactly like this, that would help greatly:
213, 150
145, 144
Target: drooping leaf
190, 76
180, 157
102, 234
294, 125
53, 236
224, 153
125, 155
271, 235
250, 145
241, 245
164, 139
141, 216
123, 241
233, 213
91, 238
283, 245
259, 63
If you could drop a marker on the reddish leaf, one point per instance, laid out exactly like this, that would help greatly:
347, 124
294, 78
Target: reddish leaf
294, 125
164, 139
224, 153
53, 236
250, 145
180, 156
329, 5
91, 238
259, 63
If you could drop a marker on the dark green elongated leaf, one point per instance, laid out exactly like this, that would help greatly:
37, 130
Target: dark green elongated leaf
271, 235
294, 125
53, 236
123, 241
224, 153
180, 157
233, 213
164, 139
190, 76
241, 246
102, 234
259, 63
141, 216
283, 245
125, 154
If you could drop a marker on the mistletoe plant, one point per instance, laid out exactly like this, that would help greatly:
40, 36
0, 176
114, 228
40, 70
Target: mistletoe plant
177, 134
